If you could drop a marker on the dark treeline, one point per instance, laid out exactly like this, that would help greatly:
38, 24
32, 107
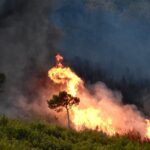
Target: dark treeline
133, 91
2, 80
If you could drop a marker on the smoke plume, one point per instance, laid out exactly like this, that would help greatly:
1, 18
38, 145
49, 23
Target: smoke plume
28, 42
113, 33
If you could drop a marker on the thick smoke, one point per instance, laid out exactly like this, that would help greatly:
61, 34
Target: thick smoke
113, 33
108, 104
28, 41
27, 44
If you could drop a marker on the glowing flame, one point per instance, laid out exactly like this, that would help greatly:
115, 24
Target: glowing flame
64, 75
106, 115
90, 118
148, 128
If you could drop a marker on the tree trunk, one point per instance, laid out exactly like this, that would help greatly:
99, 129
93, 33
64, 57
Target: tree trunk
68, 117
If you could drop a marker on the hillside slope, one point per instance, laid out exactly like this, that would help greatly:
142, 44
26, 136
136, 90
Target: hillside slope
35, 135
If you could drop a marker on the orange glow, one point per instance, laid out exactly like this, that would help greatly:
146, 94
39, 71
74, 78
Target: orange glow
148, 128
90, 118
64, 75
102, 113
59, 60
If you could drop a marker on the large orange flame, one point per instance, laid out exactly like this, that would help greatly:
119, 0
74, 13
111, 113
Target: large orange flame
104, 115
64, 75
148, 128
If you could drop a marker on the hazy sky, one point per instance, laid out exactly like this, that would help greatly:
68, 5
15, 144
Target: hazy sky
113, 33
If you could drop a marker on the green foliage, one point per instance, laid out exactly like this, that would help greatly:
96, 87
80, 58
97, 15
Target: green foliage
2, 78
21, 135
62, 100
3, 121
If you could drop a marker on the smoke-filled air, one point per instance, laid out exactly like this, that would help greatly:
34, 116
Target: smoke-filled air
74, 75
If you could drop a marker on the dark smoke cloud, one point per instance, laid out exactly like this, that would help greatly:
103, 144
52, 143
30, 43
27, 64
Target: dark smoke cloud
27, 47
135, 8
113, 33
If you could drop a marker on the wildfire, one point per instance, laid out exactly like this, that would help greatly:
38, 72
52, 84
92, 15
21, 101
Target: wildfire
90, 118
64, 75
148, 128
94, 114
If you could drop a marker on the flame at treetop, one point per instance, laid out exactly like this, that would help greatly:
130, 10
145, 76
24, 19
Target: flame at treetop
148, 128
98, 112
64, 75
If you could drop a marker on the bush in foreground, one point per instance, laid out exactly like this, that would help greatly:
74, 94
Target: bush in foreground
24, 135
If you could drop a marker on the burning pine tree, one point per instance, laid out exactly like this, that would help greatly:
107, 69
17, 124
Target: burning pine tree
63, 100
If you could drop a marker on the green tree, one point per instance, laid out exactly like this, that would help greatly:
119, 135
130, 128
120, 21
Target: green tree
2, 80
63, 100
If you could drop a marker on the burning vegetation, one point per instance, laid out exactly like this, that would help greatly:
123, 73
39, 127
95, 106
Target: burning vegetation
63, 100
102, 110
